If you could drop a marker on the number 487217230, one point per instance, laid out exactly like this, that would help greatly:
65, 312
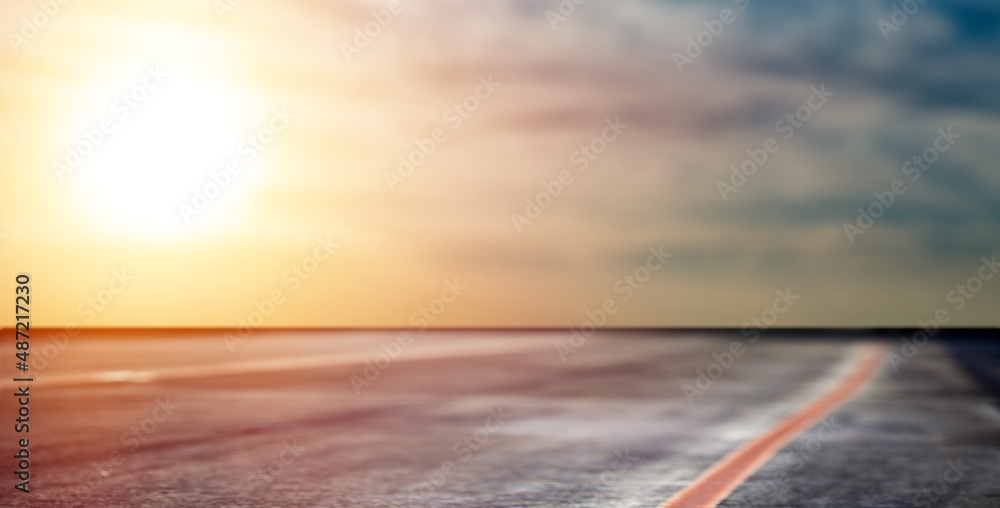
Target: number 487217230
23, 316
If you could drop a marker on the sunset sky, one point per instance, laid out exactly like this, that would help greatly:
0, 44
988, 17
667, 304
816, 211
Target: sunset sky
313, 118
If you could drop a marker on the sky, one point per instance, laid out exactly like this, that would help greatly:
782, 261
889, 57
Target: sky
501, 163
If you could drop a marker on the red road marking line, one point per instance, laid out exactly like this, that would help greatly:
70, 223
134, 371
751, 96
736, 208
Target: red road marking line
716, 483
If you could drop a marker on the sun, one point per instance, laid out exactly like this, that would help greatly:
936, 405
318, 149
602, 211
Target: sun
161, 139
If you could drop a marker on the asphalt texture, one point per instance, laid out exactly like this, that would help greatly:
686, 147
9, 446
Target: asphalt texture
490, 419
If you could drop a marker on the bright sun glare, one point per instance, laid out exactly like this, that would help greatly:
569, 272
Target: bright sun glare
165, 140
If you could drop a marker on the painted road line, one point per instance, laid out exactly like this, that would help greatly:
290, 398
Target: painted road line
716, 483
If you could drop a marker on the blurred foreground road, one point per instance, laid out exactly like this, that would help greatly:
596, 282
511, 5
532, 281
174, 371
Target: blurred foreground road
490, 419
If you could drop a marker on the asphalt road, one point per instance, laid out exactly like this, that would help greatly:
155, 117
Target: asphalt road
484, 419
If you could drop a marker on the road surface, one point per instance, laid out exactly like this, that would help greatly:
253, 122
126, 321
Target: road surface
499, 419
